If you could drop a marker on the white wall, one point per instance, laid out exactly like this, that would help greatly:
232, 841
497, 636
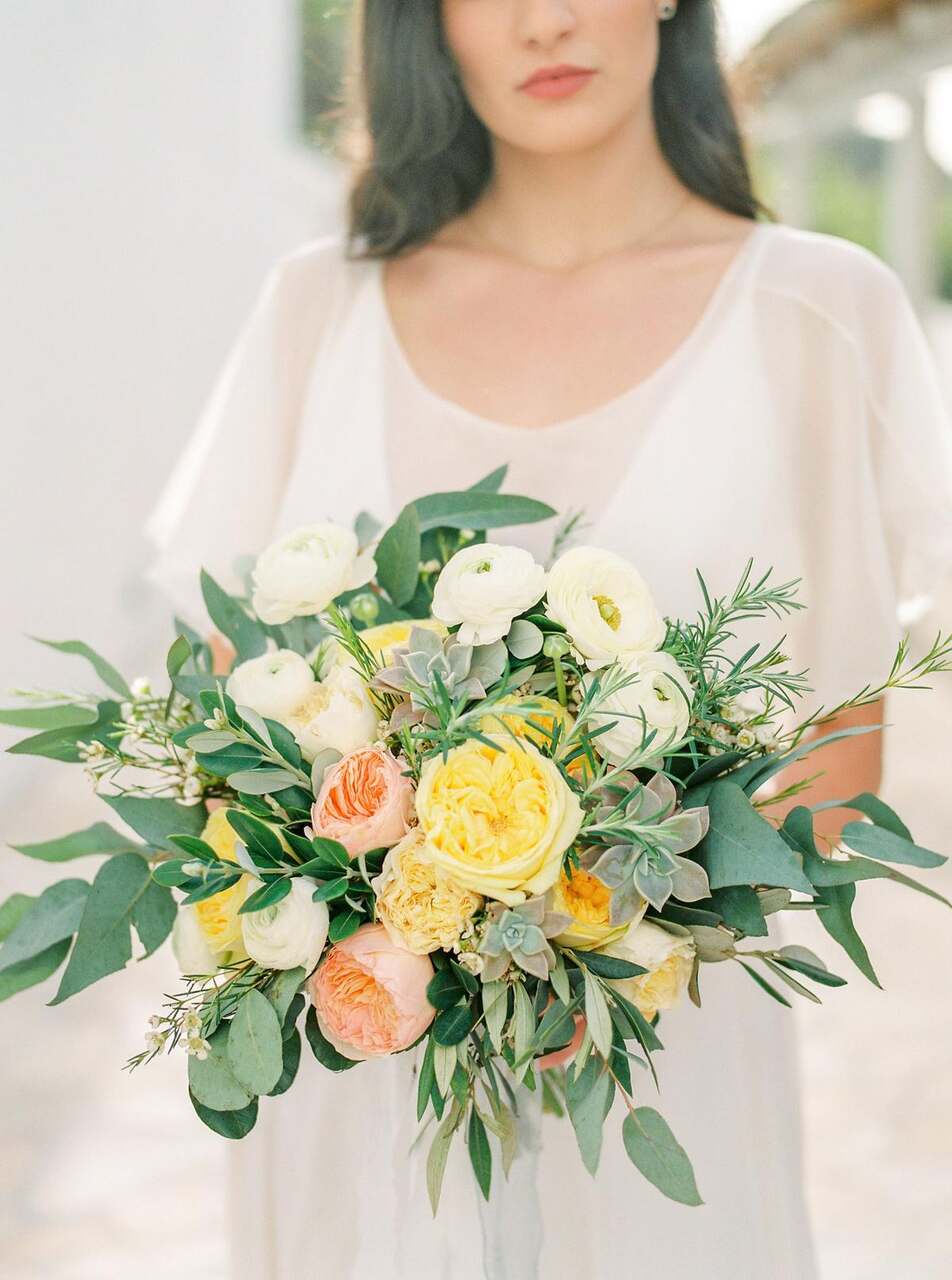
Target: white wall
150, 174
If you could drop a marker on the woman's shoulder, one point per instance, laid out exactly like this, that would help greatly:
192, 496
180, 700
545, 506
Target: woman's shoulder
828, 275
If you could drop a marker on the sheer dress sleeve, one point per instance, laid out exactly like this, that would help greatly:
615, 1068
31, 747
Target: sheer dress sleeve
222, 497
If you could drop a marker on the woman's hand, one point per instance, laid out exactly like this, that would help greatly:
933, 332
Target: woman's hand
223, 655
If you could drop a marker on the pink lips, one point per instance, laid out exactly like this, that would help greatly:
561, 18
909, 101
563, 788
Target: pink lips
556, 82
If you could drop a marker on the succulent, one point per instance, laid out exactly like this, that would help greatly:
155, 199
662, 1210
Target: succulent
519, 935
466, 670
651, 835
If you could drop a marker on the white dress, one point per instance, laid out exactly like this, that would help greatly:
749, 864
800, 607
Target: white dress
801, 422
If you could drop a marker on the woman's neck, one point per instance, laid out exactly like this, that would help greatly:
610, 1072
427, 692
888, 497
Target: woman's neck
563, 210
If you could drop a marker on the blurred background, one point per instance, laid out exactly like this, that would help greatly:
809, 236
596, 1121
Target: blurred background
155, 159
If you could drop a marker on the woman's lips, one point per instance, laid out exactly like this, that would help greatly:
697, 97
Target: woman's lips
558, 86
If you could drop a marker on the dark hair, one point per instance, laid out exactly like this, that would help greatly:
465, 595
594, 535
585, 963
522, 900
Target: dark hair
422, 156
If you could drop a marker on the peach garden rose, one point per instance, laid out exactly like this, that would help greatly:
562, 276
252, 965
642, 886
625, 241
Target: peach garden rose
369, 995
365, 801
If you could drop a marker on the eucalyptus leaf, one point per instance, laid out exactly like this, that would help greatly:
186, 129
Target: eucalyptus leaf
211, 1080
246, 634
155, 819
262, 782
438, 1153
28, 973
99, 839
397, 556
586, 1098
480, 1154
52, 917
742, 848
123, 894
255, 1050
227, 1124
60, 716
597, 1016
478, 509
837, 920
105, 670
886, 846
524, 639
656, 1153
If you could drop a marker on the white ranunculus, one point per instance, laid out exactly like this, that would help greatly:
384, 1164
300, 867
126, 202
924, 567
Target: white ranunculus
604, 604
338, 713
194, 955
483, 587
669, 959
301, 573
660, 692
273, 685
290, 933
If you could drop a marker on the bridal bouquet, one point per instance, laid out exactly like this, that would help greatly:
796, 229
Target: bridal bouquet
454, 802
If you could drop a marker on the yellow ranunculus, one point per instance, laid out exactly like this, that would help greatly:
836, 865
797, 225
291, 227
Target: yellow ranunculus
382, 639
497, 819
579, 894
218, 916
549, 713
420, 906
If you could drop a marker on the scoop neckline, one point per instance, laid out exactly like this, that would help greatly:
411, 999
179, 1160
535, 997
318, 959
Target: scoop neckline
712, 311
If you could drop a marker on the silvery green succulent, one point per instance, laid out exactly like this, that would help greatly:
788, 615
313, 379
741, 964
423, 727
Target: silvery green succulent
651, 835
466, 670
519, 935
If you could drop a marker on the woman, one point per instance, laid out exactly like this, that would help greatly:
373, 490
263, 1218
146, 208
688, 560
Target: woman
568, 277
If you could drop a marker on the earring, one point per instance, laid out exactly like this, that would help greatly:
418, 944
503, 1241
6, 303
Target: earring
667, 9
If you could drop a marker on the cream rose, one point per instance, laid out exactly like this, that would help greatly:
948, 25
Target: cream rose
604, 604
301, 573
421, 907
273, 685
194, 956
483, 587
497, 819
659, 698
336, 713
290, 933
669, 959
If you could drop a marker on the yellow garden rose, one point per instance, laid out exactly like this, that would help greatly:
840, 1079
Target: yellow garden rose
497, 818
420, 906
579, 894
217, 916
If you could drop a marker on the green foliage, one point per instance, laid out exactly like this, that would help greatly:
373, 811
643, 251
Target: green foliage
122, 895
156, 819
47, 920
61, 743
211, 1080
105, 670
398, 556
255, 1049
98, 840
227, 1124
245, 632
656, 1153
742, 848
